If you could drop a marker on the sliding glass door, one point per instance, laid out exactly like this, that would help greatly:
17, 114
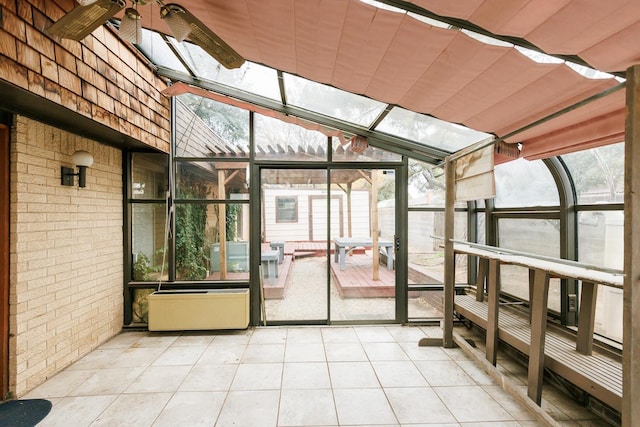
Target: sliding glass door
328, 245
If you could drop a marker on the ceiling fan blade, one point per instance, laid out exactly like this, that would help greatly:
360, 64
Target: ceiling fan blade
83, 20
209, 41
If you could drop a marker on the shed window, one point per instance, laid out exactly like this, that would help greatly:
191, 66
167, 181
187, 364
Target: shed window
286, 209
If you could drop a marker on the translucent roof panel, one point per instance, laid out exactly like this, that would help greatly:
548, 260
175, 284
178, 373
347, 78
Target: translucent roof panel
429, 130
251, 77
156, 49
207, 128
331, 101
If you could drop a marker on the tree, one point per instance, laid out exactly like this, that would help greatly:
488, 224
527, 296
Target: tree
229, 122
597, 171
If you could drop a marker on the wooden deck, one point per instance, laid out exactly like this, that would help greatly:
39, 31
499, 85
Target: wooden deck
356, 281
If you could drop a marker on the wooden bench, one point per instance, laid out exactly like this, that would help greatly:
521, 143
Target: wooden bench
597, 375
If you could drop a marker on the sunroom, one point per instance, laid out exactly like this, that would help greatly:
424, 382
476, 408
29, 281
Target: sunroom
382, 163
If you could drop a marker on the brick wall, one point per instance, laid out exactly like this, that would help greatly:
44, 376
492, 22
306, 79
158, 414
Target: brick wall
66, 257
99, 77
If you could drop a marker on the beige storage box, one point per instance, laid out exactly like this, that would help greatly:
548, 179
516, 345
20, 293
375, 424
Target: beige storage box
187, 310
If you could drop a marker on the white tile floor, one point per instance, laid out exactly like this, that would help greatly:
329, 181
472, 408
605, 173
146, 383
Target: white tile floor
296, 376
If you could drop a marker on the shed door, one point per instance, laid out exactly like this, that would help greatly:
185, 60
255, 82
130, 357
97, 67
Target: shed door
318, 218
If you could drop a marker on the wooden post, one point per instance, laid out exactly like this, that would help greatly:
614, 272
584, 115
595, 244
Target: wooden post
222, 224
449, 260
531, 278
374, 225
631, 305
349, 213
493, 309
586, 318
481, 279
538, 331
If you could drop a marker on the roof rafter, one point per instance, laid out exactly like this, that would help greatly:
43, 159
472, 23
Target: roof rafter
377, 139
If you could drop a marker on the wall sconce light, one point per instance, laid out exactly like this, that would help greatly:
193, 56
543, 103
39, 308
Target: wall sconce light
82, 159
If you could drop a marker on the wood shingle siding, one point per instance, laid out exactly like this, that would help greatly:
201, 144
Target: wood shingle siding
99, 77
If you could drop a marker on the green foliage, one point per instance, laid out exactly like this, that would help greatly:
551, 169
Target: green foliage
231, 217
191, 221
142, 268
140, 305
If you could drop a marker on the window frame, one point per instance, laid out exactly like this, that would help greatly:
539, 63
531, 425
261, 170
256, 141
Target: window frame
278, 213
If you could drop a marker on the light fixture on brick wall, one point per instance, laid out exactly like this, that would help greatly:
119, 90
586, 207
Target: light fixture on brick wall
82, 159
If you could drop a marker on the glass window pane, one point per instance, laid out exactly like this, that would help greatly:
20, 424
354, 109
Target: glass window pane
250, 77
363, 275
536, 236
294, 243
278, 140
601, 238
344, 153
147, 239
149, 176
426, 261
286, 208
601, 243
212, 180
609, 312
425, 251
157, 50
207, 128
206, 232
598, 174
482, 228
331, 101
426, 186
523, 183
428, 130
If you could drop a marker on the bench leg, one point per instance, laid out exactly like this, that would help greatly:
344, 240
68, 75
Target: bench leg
586, 317
538, 329
343, 255
493, 283
480, 280
531, 277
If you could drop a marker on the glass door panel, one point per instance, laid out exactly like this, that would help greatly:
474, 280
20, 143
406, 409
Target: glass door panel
363, 279
294, 244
